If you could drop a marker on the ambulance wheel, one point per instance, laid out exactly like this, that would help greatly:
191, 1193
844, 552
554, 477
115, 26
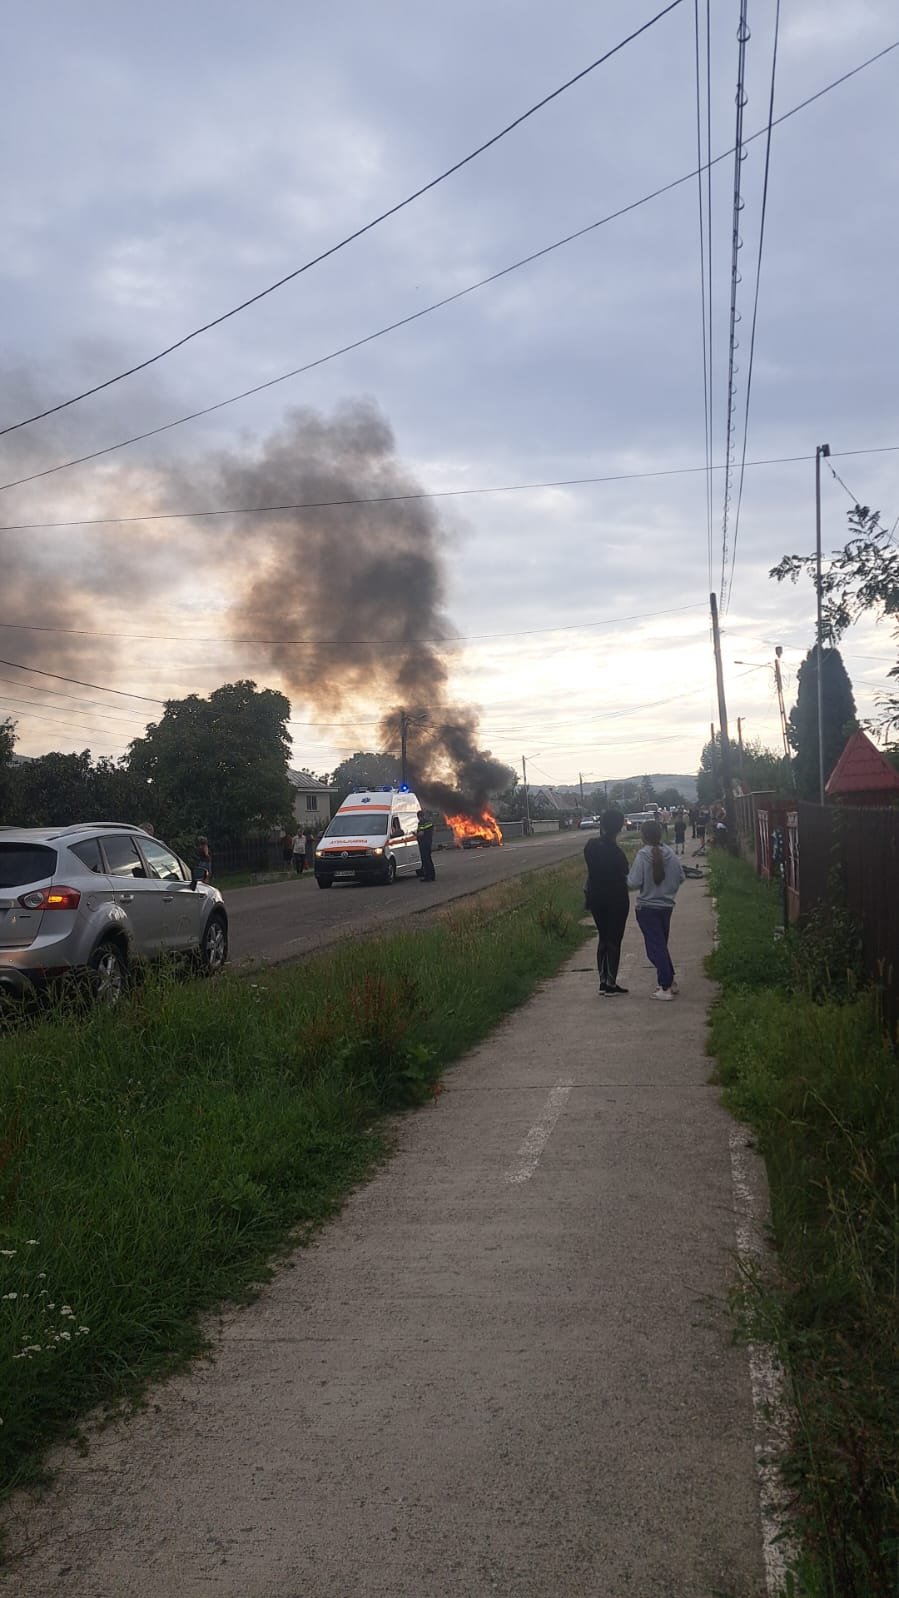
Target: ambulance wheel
390, 874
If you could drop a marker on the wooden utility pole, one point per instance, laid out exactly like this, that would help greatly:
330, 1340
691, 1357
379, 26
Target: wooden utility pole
784, 733
580, 778
527, 802
726, 773
740, 747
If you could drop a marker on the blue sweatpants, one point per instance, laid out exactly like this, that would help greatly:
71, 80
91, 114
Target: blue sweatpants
654, 922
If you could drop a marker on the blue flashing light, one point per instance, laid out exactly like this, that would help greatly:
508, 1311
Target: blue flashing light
404, 787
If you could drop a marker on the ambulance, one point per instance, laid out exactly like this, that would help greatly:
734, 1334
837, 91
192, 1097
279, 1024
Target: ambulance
370, 839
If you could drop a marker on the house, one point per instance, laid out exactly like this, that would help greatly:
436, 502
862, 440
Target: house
551, 801
312, 800
862, 775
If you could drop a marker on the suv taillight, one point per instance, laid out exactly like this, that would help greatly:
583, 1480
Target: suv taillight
55, 898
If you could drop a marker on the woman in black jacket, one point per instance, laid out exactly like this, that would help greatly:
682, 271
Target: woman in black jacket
606, 897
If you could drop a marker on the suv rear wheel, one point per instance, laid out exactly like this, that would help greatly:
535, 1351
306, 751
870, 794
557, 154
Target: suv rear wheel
110, 974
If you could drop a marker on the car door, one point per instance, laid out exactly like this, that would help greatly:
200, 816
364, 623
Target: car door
412, 855
183, 905
146, 902
398, 844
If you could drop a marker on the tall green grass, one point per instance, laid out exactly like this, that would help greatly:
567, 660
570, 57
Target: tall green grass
155, 1162
820, 1084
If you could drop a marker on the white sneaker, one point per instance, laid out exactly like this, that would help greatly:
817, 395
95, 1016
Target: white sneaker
665, 994
674, 988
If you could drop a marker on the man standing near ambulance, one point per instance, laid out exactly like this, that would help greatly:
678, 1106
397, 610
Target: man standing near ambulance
425, 836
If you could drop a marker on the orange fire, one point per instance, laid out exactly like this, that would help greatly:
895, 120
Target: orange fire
483, 826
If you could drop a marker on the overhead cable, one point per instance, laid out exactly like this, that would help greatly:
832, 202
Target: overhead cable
755, 312
351, 237
735, 279
449, 299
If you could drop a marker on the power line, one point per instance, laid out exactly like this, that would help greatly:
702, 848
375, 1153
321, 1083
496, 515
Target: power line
449, 299
58, 693
351, 237
736, 246
423, 494
339, 643
79, 682
755, 309
702, 295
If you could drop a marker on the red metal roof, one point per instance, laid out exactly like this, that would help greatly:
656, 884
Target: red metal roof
862, 768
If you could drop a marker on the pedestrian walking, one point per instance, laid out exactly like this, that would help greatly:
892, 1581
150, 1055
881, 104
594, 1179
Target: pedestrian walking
680, 833
664, 819
694, 817
309, 848
425, 836
298, 853
606, 897
656, 874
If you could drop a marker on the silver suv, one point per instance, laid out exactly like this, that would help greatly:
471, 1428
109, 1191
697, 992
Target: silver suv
98, 898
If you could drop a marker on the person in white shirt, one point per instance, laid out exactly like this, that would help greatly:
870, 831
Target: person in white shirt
299, 854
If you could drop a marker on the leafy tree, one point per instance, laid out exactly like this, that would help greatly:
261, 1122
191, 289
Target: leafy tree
217, 765
365, 769
762, 771
839, 718
647, 792
52, 791
861, 577
671, 798
7, 745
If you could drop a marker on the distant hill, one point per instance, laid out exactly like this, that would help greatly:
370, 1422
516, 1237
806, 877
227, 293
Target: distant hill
684, 784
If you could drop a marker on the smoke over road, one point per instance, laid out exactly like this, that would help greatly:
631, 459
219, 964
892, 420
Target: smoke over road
351, 596
344, 602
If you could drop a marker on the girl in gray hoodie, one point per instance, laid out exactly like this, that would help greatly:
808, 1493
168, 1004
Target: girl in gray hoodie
656, 874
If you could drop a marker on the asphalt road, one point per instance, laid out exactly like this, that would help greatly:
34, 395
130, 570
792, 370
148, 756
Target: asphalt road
280, 921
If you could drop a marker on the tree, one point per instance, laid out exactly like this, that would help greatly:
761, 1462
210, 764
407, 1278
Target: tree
762, 771
671, 798
863, 576
52, 791
217, 765
365, 769
839, 718
7, 745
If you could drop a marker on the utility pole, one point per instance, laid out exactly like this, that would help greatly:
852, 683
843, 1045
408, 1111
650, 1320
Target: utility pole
580, 778
527, 802
740, 745
726, 778
821, 449
404, 733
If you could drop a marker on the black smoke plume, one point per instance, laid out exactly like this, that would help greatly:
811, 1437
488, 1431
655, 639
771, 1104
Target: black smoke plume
351, 596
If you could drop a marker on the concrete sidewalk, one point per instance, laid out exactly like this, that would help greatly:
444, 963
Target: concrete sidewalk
505, 1369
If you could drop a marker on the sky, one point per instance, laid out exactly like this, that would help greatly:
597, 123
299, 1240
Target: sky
160, 166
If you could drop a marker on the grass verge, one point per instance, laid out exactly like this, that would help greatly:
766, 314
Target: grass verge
820, 1085
154, 1163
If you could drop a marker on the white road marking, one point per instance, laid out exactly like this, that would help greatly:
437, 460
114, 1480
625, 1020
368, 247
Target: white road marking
768, 1388
528, 1156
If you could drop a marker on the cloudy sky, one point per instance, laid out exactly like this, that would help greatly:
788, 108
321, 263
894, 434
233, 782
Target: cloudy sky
161, 164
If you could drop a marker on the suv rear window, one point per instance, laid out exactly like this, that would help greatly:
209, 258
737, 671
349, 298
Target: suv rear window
122, 856
24, 863
89, 855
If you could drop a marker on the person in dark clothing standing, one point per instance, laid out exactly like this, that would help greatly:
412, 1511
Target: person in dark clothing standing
425, 836
606, 898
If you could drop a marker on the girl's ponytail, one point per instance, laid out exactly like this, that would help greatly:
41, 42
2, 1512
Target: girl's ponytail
652, 834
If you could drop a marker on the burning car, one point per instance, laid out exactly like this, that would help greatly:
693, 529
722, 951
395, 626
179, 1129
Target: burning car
482, 831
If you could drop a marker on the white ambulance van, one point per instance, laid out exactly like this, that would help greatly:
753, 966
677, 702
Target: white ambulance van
370, 839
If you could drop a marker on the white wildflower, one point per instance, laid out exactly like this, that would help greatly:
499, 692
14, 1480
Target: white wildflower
67, 1310
66, 1336
82, 1330
31, 1241
41, 1275
10, 1295
8, 1253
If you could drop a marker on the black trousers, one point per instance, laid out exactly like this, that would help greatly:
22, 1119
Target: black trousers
427, 872
611, 920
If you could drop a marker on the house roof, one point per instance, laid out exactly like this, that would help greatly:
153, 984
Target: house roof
304, 782
862, 768
549, 796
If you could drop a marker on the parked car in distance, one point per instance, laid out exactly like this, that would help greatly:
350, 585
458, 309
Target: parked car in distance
635, 822
588, 821
97, 901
